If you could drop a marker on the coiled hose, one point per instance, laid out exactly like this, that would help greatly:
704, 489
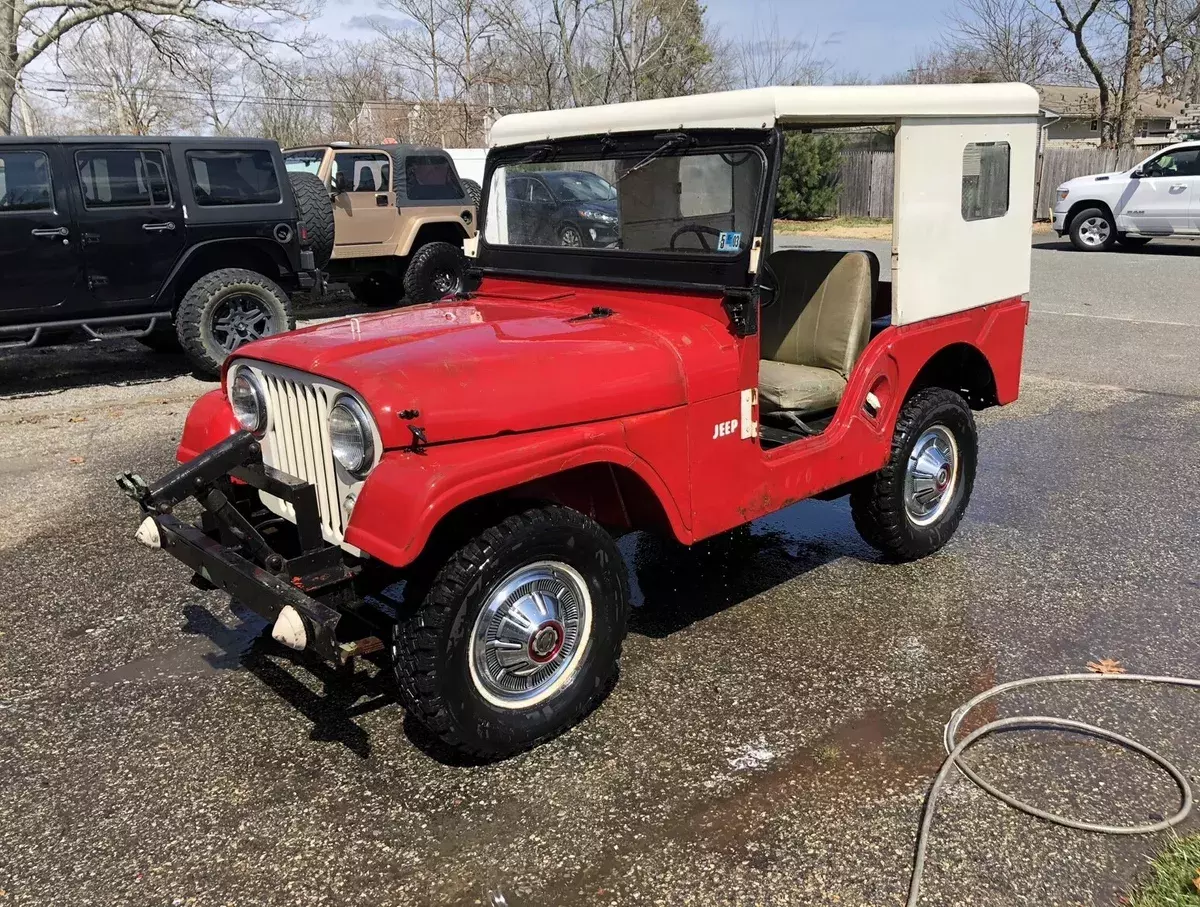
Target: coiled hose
955, 750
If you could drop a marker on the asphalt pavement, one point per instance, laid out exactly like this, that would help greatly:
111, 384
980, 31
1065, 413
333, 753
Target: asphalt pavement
782, 696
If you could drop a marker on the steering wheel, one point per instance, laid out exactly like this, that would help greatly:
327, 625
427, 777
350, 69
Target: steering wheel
768, 283
700, 230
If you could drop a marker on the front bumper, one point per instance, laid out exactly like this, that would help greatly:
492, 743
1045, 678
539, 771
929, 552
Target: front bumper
240, 548
1060, 221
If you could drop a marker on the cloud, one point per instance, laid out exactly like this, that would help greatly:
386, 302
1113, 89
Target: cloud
375, 21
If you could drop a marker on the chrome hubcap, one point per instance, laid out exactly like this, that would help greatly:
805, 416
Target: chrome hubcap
240, 319
1094, 231
932, 476
530, 635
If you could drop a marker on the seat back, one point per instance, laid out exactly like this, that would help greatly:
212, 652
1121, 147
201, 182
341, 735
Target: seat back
366, 181
821, 316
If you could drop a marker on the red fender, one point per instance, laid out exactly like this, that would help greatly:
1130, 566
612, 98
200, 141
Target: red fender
408, 493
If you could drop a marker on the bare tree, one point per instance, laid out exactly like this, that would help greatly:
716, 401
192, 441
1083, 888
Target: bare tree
211, 75
355, 75
30, 28
767, 55
120, 84
1075, 16
1011, 39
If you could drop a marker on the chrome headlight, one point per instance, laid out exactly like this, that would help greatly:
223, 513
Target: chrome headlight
350, 436
248, 398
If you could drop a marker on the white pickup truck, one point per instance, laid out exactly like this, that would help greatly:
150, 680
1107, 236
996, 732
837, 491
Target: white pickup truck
1158, 197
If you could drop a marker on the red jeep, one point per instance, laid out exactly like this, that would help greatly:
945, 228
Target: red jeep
672, 374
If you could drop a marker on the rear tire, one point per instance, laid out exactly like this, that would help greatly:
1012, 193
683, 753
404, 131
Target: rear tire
1092, 230
474, 191
435, 271
314, 212
377, 291
219, 305
460, 655
912, 507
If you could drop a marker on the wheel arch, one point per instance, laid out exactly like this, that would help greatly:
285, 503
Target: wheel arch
1083, 205
262, 256
398, 517
963, 368
448, 230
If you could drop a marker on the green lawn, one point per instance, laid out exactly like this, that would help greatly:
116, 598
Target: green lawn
1175, 877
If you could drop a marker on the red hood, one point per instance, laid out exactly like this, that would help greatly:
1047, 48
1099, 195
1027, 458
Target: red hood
492, 364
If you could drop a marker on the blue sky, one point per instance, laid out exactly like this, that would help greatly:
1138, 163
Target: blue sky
873, 37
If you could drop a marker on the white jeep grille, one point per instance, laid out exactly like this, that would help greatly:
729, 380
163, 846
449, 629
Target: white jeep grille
297, 443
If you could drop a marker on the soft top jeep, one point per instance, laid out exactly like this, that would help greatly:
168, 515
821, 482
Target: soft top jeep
400, 213
684, 380
177, 242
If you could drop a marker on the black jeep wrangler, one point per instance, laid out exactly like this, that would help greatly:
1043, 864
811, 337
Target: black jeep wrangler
191, 243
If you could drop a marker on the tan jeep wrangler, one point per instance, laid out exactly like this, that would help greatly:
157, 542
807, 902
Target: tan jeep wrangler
400, 215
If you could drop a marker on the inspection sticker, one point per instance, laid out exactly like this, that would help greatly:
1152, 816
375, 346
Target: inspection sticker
729, 242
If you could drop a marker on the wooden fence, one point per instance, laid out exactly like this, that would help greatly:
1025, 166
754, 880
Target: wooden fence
866, 177
867, 180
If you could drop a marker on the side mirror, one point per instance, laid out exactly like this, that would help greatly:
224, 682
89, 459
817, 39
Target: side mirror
1137, 174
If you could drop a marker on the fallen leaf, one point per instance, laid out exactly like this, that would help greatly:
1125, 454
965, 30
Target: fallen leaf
1196, 881
77, 419
1105, 666
76, 461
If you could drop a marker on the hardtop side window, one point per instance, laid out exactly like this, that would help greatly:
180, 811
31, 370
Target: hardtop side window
356, 171
240, 177
985, 180
430, 177
25, 182
123, 178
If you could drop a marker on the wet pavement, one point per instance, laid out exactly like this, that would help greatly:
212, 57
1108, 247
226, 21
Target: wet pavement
778, 716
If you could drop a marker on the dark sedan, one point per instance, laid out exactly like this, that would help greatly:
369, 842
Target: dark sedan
562, 208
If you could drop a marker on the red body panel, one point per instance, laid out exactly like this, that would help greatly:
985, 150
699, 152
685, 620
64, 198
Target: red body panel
210, 422
542, 391
519, 357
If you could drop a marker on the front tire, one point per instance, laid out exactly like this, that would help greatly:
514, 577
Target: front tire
519, 635
912, 507
1093, 230
226, 309
569, 235
435, 271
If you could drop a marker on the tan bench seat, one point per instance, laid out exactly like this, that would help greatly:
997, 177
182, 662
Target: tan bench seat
816, 329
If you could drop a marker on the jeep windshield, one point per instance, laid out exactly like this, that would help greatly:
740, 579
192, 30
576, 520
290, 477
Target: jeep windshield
694, 203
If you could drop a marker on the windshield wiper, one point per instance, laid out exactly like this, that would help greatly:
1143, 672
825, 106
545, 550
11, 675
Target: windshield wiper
673, 141
538, 153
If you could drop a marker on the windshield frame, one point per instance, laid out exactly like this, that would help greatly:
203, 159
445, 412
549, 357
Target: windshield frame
690, 269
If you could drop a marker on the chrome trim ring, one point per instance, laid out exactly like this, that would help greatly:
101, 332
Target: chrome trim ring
531, 635
1094, 231
932, 476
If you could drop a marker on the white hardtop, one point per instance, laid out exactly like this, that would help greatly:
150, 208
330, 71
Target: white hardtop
762, 108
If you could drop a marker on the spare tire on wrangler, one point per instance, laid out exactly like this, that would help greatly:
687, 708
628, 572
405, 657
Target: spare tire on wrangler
474, 191
314, 212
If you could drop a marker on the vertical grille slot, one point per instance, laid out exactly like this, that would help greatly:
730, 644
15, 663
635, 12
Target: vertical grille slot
297, 443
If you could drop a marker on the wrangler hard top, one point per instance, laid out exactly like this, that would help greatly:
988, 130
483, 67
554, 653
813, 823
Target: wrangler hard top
683, 378
401, 213
179, 242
